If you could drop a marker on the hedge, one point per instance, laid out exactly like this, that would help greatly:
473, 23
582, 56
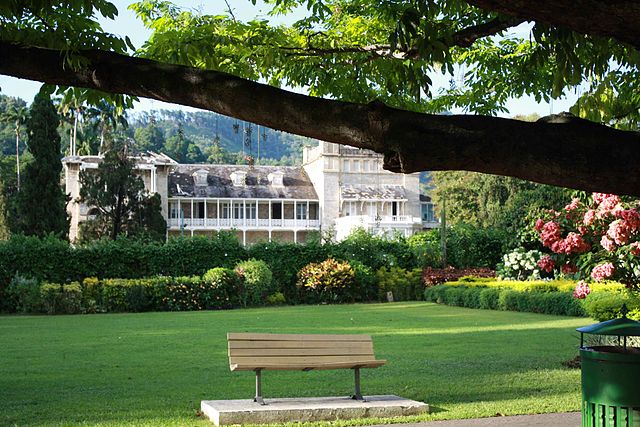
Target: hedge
552, 297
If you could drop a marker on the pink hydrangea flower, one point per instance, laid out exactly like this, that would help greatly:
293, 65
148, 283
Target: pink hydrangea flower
589, 217
573, 205
575, 244
609, 204
619, 231
607, 244
550, 233
539, 224
635, 248
581, 290
546, 263
631, 218
602, 271
569, 269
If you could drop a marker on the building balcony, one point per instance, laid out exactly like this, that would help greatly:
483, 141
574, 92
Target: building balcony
242, 224
382, 225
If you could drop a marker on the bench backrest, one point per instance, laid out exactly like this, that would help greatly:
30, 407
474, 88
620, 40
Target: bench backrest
291, 351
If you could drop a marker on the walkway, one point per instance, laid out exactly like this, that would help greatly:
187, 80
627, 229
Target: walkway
565, 419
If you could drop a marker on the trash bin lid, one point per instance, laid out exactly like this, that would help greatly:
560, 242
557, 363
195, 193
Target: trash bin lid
620, 327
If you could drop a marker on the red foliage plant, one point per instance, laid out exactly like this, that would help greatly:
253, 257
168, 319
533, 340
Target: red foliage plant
434, 276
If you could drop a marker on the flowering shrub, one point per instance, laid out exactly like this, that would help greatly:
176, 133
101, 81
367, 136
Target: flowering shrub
597, 238
520, 264
327, 280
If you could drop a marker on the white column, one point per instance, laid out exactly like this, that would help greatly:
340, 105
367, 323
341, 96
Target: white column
180, 217
192, 217
269, 219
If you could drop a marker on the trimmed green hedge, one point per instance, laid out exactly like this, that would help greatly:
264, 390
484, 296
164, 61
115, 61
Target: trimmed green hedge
554, 297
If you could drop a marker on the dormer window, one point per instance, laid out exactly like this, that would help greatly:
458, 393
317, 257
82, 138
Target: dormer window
238, 178
200, 178
276, 178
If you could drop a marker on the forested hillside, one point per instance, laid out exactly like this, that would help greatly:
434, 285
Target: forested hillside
220, 139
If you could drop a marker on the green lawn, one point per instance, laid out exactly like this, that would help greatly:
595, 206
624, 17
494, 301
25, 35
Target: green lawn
154, 368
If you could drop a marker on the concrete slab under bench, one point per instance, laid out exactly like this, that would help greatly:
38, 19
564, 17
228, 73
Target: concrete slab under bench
279, 410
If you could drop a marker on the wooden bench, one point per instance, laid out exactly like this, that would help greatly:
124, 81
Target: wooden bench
297, 352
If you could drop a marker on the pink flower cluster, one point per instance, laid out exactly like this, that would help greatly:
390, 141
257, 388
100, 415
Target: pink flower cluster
581, 290
607, 204
572, 244
602, 271
573, 205
546, 263
550, 233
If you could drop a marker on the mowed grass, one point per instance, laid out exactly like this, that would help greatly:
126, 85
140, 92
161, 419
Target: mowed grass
153, 369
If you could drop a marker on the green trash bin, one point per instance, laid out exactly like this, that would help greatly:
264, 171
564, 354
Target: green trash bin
610, 359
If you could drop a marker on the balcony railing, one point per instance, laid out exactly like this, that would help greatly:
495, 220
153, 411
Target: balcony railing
216, 223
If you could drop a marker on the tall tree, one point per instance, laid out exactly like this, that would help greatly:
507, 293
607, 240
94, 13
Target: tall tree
41, 205
373, 62
4, 223
123, 205
16, 115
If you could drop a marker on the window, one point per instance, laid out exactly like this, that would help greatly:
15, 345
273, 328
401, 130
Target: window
251, 210
175, 212
198, 209
366, 165
301, 211
356, 165
238, 211
345, 165
225, 210
427, 212
372, 209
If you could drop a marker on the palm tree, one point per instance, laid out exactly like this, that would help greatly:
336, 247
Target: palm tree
17, 116
105, 117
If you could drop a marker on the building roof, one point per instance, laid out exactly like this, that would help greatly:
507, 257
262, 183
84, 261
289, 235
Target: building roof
425, 198
296, 183
370, 192
147, 158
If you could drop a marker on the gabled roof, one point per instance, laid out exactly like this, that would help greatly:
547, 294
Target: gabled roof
296, 183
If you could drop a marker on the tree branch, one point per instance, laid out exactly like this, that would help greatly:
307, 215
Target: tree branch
619, 19
463, 38
560, 150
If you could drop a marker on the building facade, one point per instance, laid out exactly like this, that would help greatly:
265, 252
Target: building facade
336, 190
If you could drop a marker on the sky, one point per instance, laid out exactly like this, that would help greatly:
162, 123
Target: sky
127, 24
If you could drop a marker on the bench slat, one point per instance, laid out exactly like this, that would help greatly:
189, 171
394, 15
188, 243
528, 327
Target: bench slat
240, 336
333, 351
297, 360
302, 367
298, 344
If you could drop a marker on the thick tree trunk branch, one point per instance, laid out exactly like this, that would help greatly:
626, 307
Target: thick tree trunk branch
619, 19
561, 150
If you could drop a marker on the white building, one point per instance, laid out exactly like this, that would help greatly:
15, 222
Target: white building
337, 189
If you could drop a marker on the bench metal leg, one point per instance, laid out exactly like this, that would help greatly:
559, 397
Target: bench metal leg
357, 395
258, 397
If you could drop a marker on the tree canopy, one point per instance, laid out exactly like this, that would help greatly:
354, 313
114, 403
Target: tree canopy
368, 67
